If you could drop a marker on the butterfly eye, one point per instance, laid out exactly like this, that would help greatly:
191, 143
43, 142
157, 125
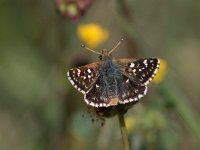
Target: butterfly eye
100, 57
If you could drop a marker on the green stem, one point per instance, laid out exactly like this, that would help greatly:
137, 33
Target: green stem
123, 132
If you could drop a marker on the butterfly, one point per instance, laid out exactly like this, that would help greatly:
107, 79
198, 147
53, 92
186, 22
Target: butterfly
111, 81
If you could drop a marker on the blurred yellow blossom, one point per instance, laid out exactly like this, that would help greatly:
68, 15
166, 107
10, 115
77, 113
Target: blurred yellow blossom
130, 123
92, 34
161, 72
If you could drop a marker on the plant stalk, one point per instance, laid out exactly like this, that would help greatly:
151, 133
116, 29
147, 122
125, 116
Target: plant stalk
123, 132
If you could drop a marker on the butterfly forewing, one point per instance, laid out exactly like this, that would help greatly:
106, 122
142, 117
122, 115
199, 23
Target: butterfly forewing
83, 77
141, 70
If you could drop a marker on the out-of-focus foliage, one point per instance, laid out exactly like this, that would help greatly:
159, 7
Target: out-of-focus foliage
40, 110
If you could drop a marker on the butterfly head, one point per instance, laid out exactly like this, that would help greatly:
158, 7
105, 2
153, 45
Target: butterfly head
104, 54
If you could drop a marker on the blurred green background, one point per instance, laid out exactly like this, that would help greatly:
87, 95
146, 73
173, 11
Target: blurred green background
40, 110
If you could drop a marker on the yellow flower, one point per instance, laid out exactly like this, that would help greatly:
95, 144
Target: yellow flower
161, 72
130, 123
92, 34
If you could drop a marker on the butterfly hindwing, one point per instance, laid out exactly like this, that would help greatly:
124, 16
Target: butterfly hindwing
83, 77
129, 90
97, 95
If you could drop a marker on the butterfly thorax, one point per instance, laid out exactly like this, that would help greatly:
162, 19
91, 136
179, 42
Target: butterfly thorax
110, 69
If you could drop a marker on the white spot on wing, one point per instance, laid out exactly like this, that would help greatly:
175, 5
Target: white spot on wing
145, 62
126, 101
127, 81
140, 96
68, 73
131, 99
132, 65
89, 71
145, 91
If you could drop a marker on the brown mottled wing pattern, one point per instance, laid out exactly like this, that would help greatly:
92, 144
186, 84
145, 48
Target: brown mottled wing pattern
136, 74
83, 77
141, 70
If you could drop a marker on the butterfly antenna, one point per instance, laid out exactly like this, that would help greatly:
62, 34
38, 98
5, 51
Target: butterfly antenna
116, 46
87, 48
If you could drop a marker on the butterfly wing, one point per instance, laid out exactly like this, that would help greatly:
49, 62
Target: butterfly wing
136, 74
141, 70
97, 96
130, 90
83, 77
